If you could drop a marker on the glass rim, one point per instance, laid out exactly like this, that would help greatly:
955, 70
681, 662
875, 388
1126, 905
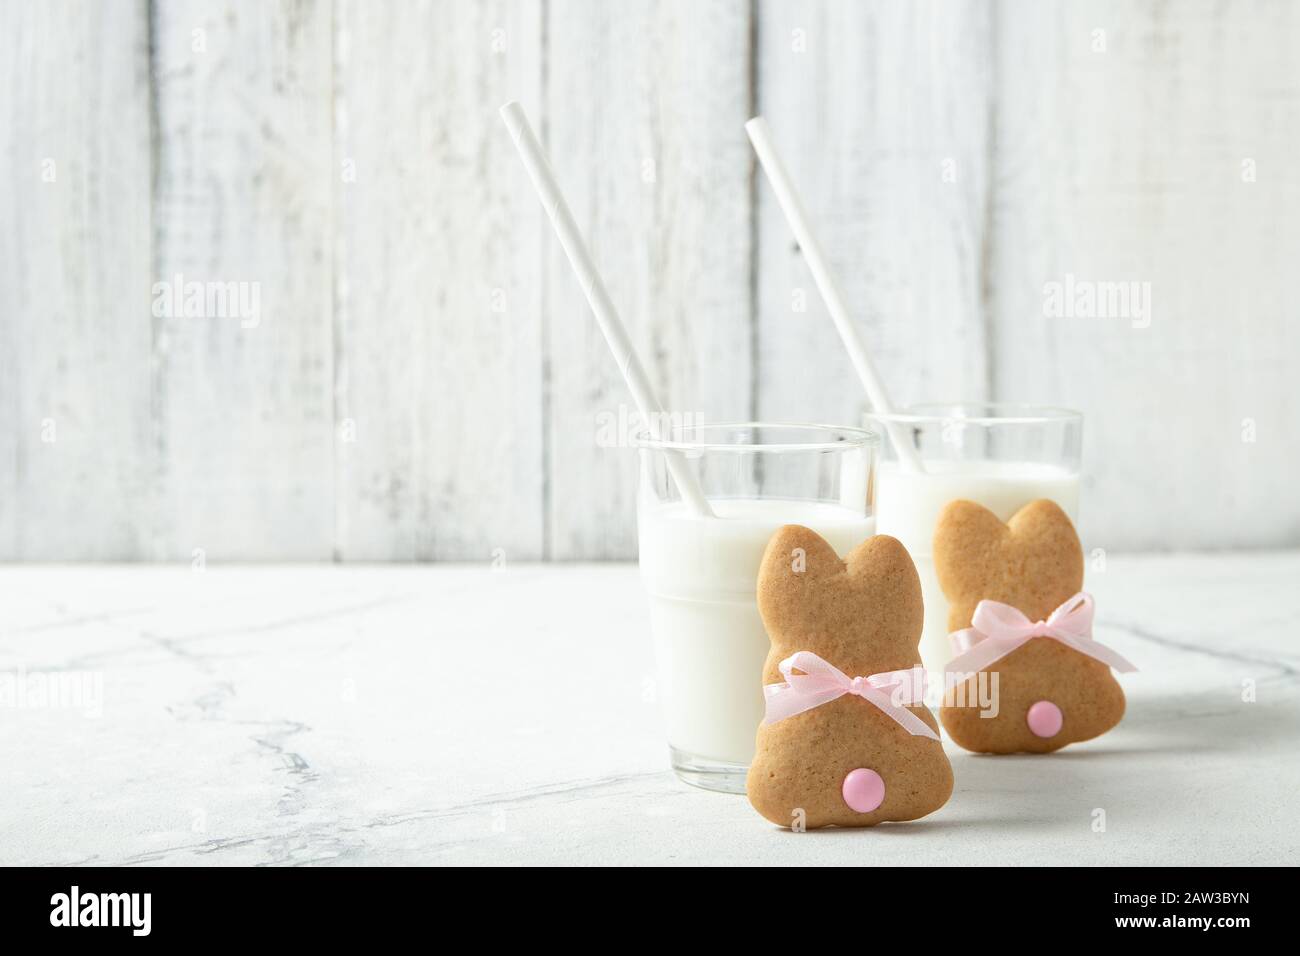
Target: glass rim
855, 438
1004, 413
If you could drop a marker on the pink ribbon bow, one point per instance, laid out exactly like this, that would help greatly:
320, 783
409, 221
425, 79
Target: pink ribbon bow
820, 683
997, 629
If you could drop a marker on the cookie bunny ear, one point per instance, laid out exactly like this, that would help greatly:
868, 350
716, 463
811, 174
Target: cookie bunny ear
1048, 535
794, 580
884, 560
884, 579
1044, 523
976, 556
797, 554
967, 538
864, 614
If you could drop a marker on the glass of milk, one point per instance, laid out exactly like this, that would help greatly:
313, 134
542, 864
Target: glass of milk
1000, 455
701, 572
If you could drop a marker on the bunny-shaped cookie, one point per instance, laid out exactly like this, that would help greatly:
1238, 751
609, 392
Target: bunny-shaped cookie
841, 745
1017, 613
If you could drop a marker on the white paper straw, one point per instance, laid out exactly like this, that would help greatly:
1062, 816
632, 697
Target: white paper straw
620, 343
760, 136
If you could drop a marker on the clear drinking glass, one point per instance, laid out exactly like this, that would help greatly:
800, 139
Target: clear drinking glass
701, 572
1000, 455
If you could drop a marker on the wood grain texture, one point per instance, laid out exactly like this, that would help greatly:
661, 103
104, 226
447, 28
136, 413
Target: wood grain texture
645, 111
881, 112
425, 380
74, 280
438, 319
243, 413
1126, 163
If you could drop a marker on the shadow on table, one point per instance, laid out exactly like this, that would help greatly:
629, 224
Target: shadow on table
1146, 770
934, 825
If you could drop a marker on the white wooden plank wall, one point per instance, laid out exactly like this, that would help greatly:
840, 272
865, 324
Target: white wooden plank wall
422, 379
243, 406
646, 105
76, 348
1156, 143
882, 112
438, 310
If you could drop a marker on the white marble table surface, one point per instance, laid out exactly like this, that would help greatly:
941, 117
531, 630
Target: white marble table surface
392, 715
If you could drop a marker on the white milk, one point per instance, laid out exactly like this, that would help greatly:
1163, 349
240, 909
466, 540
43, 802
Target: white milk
702, 575
908, 505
